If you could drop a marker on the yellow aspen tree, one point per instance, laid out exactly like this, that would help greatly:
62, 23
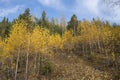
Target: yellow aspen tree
85, 33
16, 41
28, 46
39, 41
67, 40
116, 45
106, 37
55, 41
1, 47
81, 37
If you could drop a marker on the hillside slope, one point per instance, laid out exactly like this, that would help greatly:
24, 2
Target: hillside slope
71, 67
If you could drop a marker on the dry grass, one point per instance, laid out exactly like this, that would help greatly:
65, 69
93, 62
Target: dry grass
72, 67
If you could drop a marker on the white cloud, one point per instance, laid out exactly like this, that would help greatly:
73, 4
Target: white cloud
82, 6
86, 8
92, 6
5, 1
96, 8
116, 11
109, 12
7, 11
56, 4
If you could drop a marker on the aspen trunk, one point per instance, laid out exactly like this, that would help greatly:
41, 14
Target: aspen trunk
99, 46
39, 67
27, 66
27, 59
90, 47
83, 49
35, 64
18, 57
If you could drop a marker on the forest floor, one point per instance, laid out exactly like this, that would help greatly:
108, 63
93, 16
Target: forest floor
72, 67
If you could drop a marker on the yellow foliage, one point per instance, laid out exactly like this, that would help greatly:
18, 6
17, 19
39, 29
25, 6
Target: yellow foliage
1, 47
68, 39
39, 38
68, 36
1, 43
17, 38
106, 35
55, 40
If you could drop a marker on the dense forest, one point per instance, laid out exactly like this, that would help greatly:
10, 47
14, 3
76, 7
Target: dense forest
34, 48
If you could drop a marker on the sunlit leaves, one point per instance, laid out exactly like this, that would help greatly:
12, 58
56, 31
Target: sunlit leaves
39, 38
55, 40
2, 45
18, 37
67, 40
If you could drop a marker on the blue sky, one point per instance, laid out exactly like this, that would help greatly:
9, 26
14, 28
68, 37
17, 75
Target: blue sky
84, 9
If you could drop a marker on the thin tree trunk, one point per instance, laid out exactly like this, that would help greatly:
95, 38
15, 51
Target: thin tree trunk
39, 67
27, 60
12, 70
18, 57
107, 56
74, 30
96, 48
90, 47
83, 49
27, 66
8, 71
62, 32
35, 64
116, 62
99, 46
